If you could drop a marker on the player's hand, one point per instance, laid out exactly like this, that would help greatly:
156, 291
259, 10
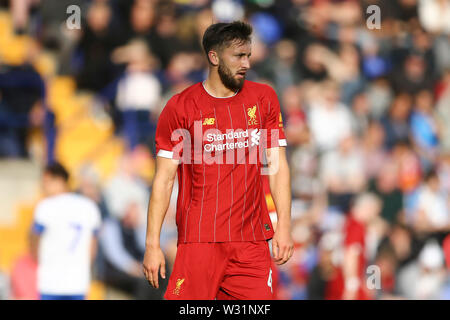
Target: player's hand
282, 244
154, 261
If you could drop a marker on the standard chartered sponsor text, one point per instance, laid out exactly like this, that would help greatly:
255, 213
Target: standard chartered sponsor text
199, 145
231, 135
226, 146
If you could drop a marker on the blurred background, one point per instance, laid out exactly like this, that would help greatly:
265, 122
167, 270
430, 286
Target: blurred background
365, 110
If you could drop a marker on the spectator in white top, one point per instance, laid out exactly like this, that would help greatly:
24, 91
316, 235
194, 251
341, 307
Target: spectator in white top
136, 93
342, 173
432, 212
64, 235
330, 121
434, 15
424, 278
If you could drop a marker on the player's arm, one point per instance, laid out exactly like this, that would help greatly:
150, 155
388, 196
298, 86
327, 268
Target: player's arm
34, 245
38, 227
96, 224
279, 181
94, 246
163, 181
350, 271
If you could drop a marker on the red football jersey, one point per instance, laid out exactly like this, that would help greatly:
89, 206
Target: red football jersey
355, 233
219, 143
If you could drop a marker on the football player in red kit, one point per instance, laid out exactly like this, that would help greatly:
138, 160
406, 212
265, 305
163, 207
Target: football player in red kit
220, 137
349, 281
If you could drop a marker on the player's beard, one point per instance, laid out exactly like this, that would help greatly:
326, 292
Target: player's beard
228, 79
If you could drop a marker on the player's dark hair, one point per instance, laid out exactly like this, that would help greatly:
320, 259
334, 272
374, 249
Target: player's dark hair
223, 34
56, 169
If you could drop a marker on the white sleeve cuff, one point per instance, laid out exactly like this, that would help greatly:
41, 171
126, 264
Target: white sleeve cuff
165, 154
282, 142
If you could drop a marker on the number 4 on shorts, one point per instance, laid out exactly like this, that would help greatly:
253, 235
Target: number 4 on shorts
269, 281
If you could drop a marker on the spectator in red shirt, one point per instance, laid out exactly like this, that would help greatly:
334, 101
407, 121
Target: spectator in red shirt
349, 282
24, 277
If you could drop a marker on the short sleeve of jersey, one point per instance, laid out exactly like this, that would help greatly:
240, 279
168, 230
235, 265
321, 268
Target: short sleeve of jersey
168, 138
41, 218
274, 121
97, 217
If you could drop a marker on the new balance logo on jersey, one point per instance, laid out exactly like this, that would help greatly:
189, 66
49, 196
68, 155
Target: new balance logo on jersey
208, 121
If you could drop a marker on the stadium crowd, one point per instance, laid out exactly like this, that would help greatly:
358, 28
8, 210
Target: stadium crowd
366, 114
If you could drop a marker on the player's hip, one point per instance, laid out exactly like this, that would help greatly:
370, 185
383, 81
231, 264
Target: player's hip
232, 226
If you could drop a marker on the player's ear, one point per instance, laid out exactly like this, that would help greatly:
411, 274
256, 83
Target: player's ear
213, 57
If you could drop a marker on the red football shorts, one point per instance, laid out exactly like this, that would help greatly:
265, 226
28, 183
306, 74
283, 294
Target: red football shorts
221, 270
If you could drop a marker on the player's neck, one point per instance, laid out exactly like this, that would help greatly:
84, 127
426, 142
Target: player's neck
214, 86
58, 191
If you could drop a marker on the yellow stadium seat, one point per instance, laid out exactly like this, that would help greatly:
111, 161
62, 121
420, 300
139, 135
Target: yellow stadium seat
16, 50
45, 65
14, 239
6, 29
59, 90
106, 161
97, 291
75, 145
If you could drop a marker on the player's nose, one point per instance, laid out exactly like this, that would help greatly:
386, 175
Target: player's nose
245, 63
